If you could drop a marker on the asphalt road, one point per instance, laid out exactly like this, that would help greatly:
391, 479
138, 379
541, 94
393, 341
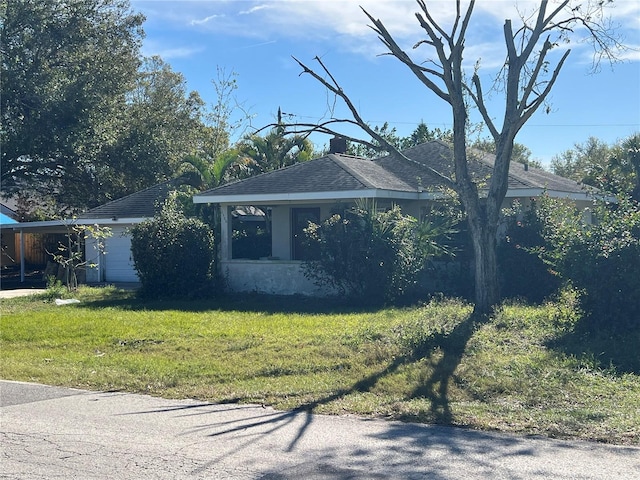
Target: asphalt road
60, 433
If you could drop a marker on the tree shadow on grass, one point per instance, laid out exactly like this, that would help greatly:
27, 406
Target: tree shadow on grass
250, 302
435, 389
453, 345
600, 348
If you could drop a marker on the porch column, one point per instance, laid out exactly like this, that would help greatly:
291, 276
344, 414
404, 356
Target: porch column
225, 232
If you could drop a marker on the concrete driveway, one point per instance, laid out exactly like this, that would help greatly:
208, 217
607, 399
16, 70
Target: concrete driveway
20, 292
60, 433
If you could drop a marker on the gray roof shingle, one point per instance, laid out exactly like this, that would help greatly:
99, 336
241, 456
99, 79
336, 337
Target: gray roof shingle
141, 204
340, 173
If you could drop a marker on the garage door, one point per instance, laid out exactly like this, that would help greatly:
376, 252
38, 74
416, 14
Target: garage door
118, 261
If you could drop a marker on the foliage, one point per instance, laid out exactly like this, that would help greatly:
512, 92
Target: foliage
623, 169
158, 124
520, 154
612, 168
584, 162
83, 113
373, 256
71, 255
55, 289
63, 65
211, 165
523, 273
601, 259
421, 134
173, 254
273, 151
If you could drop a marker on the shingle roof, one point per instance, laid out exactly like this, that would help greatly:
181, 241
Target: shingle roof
324, 174
141, 204
344, 173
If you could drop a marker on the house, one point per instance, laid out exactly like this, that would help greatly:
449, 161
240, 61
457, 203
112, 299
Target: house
116, 266
275, 208
291, 197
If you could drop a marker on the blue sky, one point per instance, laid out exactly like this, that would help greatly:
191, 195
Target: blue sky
257, 39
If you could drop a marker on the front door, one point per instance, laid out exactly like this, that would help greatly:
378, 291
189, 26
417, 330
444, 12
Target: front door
300, 219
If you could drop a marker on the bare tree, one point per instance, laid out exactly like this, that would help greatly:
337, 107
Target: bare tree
527, 76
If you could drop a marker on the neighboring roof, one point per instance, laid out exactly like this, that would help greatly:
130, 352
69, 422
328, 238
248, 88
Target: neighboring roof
337, 176
141, 204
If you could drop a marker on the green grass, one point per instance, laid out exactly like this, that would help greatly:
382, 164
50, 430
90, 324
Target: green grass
529, 370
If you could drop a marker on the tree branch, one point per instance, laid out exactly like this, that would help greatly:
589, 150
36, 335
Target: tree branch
339, 92
542, 96
386, 38
478, 99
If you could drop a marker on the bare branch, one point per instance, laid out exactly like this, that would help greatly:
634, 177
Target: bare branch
339, 92
401, 55
478, 99
429, 27
533, 77
465, 22
306, 129
542, 96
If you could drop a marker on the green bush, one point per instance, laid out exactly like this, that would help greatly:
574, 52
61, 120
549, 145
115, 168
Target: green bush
601, 259
173, 254
372, 256
523, 274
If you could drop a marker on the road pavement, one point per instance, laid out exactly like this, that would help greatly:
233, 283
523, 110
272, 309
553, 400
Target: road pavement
60, 433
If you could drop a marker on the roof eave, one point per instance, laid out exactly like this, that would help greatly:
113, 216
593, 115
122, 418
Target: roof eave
257, 199
536, 192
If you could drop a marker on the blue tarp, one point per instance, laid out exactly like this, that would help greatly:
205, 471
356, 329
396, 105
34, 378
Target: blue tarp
5, 220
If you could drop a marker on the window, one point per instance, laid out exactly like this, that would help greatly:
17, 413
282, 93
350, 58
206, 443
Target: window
251, 232
300, 219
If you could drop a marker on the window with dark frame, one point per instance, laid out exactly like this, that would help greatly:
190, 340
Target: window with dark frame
300, 219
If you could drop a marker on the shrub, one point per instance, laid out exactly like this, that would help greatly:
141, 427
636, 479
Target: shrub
601, 259
523, 274
372, 256
173, 254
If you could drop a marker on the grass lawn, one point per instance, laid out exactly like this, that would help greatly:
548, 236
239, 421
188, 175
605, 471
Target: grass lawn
529, 370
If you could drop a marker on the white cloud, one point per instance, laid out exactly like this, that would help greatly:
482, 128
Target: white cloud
167, 53
344, 24
205, 20
257, 8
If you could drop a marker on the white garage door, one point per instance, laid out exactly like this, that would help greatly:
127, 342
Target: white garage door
118, 261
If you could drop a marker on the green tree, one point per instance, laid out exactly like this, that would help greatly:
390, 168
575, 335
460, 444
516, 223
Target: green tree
63, 64
374, 147
622, 172
612, 168
521, 153
212, 166
584, 162
273, 151
159, 125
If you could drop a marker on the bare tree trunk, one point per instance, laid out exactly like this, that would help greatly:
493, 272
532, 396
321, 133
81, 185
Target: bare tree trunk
487, 291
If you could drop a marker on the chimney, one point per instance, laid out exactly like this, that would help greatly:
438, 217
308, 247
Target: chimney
338, 145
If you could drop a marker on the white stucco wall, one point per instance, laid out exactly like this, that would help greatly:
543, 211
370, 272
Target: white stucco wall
276, 277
